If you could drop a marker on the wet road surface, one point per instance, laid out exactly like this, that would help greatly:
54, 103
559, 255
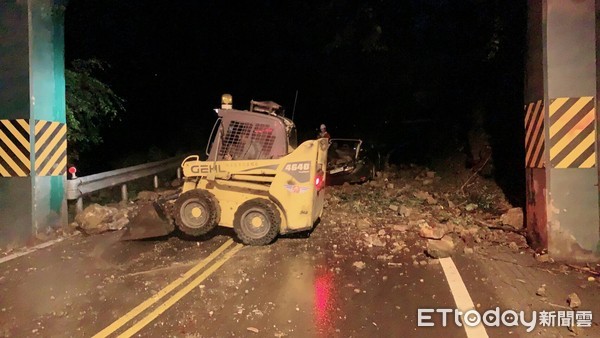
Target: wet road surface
322, 284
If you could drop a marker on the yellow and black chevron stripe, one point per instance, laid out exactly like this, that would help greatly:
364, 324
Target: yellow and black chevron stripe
534, 135
573, 132
50, 148
14, 148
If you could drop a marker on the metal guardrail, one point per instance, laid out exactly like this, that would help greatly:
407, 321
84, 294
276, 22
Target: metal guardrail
80, 186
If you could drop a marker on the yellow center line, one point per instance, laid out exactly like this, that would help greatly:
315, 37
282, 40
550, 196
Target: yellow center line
176, 297
156, 297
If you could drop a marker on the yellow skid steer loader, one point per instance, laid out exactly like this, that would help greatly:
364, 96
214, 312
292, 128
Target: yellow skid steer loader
255, 180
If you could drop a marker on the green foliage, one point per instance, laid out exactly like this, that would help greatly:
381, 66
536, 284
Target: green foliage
91, 105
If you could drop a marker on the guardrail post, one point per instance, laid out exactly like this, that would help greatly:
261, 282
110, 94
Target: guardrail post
179, 173
79, 187
124, 194
79, 205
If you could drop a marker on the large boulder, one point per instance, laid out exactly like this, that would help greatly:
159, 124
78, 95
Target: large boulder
426, 231
513, 217
97, 218
440, 248
119, 220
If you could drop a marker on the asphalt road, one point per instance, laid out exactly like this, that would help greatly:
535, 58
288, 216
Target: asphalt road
317, 285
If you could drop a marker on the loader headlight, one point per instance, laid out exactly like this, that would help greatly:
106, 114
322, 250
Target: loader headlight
226, 101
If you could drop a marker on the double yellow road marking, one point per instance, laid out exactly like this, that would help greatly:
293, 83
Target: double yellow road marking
174, 298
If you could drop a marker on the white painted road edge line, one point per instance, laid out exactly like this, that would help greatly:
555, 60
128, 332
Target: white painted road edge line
461, 296
33, 249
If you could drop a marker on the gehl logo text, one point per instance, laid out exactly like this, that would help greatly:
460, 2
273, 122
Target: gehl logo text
205, 168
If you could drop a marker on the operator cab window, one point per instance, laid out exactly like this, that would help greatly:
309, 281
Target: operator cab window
247, 141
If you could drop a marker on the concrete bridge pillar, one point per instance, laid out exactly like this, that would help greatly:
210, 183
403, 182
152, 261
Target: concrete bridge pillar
32, 119
561, 86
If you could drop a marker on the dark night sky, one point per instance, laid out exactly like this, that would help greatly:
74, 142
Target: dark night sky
361, 67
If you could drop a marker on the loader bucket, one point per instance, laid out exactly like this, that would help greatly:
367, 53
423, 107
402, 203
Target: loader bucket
150, 222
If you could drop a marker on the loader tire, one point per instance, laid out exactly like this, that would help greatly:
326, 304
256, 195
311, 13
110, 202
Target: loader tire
197, 212
257, 222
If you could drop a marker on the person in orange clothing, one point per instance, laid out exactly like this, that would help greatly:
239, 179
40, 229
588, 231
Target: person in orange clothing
324, 133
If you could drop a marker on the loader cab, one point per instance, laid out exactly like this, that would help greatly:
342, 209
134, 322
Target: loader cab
251, 135
274, 109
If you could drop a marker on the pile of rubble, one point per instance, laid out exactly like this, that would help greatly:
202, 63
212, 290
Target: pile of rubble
416, 205
409, 205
